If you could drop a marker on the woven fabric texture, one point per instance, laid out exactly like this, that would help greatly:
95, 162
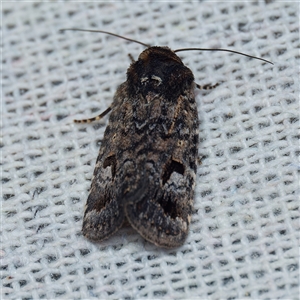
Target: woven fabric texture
244, 235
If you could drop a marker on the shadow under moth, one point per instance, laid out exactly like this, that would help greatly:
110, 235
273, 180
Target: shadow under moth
146, 168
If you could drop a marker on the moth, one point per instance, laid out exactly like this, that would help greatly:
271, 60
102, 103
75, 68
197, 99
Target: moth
145, 172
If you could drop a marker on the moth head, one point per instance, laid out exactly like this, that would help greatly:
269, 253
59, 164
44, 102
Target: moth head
156, 53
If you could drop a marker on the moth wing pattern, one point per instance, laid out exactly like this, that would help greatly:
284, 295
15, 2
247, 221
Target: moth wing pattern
145, 171
160, 207
104, 215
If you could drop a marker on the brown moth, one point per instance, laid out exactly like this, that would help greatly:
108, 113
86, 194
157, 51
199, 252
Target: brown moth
146, 168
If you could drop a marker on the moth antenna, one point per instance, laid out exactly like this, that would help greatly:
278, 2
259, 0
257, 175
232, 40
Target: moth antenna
224, 50
177, 50
106, 32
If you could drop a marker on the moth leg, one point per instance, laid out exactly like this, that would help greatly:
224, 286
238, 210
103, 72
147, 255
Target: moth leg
131, 58
206, 86
95, 118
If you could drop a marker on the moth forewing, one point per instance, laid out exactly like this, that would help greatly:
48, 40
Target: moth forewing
146, 166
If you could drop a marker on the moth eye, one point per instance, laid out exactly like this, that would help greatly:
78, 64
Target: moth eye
170, 167
111, 161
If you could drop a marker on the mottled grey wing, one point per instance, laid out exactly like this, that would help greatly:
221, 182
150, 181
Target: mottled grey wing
104, 213
160, 205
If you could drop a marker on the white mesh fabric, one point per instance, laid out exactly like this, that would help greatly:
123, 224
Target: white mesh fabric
244, 236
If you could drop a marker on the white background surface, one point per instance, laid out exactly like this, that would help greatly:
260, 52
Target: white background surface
244, 235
